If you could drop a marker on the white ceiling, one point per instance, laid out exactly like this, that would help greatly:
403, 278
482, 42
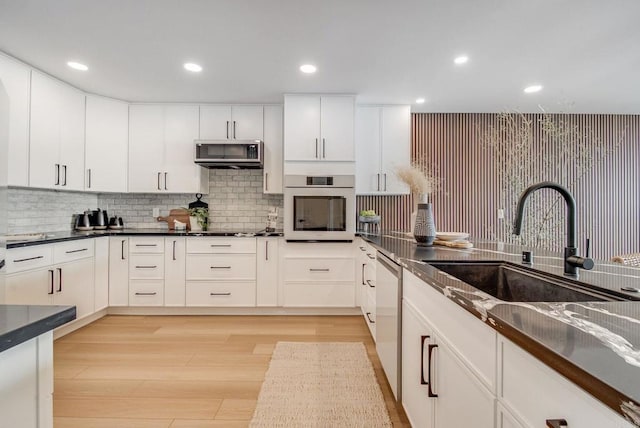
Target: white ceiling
586, 53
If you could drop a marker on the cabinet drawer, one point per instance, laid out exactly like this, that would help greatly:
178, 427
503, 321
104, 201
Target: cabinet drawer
146, 245
25, 258
146, 266
319, 295
221, 245
319, 269
73, 250
524, 377
218, 294
370, 315
467, 335
221, 266
146, 293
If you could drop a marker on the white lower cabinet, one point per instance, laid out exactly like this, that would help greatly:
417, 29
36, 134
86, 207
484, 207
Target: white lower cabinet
174, 271
118, 271
101, 273
267, 271
504, 418
221, 272
67, 283
146, 271
366, 283
318, 275
524, 377
26, 390
438, 389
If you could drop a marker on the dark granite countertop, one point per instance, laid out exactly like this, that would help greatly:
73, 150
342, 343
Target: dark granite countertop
53, 237
19, 323
596, 345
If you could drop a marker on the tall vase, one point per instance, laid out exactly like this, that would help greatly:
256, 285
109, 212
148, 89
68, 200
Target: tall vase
424, 231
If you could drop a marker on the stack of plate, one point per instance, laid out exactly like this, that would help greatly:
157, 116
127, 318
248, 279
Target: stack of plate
453, 239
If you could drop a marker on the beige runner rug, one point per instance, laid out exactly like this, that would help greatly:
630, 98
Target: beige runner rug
320, 385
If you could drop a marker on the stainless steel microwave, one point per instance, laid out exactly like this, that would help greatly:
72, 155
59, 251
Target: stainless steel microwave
235, 154
319, 208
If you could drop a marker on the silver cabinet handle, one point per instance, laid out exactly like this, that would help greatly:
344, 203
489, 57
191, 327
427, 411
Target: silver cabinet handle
378, 182
371, 257
76, 251
123, 241
363, 266
220, 267
266, 181
324, 155
65, 175
227, 129
220, 245
27, 259
369, 318
319, 270
89, 178
159, 181
556, 423
234, 129
146, 294
317, 148
362, 249
57, 183
50, 281
266, 250
146, 245
369, 283
165, 181
59, 280
219, 294
174, 250
385, 181
146, 267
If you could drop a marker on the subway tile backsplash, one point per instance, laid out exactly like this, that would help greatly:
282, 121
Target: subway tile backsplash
235, 199
38, 210
235, 202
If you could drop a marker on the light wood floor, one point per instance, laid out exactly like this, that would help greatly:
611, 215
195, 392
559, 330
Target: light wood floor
183, 371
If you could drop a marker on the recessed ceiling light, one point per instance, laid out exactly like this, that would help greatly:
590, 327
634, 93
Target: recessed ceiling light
420, 101
308, 68
77, 66
533, 88
462, 59
190, 66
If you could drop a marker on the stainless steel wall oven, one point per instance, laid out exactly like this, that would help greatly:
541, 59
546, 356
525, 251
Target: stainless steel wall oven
319, 208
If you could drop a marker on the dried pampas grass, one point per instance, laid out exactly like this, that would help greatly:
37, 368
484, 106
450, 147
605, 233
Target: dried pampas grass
413, 176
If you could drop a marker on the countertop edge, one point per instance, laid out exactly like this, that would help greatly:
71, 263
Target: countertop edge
142, 232
37, 327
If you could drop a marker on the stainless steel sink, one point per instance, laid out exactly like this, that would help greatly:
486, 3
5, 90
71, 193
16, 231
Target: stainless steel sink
511, 283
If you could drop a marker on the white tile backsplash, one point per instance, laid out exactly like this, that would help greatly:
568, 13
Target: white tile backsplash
235, 201
39, 210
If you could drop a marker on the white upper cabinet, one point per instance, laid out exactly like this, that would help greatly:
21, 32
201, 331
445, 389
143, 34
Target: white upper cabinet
161, 149
106, 144
273, 122
224, 122
383, 142
56, 150
319, 128
16, 79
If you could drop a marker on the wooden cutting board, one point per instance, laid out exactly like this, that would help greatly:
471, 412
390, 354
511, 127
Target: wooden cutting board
180, 214
453, 244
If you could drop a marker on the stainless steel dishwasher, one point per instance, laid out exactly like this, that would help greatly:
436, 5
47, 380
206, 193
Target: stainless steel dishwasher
389, 320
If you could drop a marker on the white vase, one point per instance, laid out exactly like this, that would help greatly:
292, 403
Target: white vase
193, 222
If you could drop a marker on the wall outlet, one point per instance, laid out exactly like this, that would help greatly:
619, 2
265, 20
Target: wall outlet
500, 213
156, 212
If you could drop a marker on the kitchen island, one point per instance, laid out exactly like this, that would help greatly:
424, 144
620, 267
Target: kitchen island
26, 363
595, 345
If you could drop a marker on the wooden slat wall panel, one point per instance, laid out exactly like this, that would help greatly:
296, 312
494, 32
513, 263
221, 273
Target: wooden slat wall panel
608, 197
